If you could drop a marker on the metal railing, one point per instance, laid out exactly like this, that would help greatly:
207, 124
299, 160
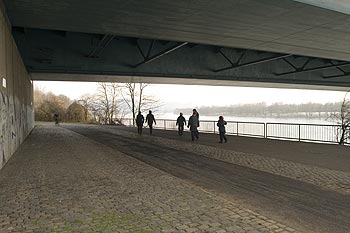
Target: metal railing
303, 132
285, 131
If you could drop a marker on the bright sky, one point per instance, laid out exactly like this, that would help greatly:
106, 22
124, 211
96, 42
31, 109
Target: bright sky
195, 96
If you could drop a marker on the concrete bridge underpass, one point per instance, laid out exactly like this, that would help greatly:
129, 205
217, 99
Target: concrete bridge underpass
299, 44
272, 43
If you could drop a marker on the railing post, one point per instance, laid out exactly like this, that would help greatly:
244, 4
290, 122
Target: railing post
164, 124
299, 132
265, 129
237, 128
214, 126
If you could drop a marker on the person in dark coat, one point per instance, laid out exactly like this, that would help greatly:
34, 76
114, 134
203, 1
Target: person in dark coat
139, 122
150, 119
221, 124
196, 112
193, 124
180, 122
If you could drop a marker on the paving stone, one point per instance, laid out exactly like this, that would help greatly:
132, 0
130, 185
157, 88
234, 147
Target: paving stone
60, 181
326, 178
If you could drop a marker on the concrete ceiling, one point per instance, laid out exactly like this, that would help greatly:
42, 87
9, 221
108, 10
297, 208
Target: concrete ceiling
336, 5
61, 55
282, 26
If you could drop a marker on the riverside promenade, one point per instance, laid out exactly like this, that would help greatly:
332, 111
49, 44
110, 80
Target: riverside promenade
87, 178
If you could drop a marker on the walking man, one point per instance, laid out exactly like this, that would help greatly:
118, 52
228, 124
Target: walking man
221, 124
193, 123
180, 122
150, 119
139, 122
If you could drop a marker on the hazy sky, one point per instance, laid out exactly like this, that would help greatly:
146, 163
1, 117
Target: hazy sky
195, 96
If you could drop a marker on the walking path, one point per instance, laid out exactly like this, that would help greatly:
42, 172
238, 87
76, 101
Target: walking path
60, 181
323, 165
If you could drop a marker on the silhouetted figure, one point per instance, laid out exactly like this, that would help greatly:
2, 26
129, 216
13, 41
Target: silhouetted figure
139, 122
180, 122
221, 124
150, 119
193, 123
196, 112
56, 119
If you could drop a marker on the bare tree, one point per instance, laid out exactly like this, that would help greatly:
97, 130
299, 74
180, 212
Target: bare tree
87, 102
129, 98
343, 119
95, 109
136, 100
112, 100
108, 102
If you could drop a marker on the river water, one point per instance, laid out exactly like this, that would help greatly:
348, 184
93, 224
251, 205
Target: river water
172, 116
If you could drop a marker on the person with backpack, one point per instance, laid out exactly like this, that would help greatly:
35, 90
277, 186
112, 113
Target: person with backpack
180, 122
139, 122
221, 124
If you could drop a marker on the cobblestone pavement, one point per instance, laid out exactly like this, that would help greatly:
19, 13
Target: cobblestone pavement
326, 178
60, 181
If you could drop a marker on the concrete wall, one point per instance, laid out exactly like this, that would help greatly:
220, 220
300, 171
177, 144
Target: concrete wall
16, 95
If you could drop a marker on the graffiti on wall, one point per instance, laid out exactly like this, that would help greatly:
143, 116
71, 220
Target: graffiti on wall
3, 121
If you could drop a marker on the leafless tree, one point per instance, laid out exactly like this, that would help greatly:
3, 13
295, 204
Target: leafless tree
108, 100
87, 101
112, 100
343, 119
129, 95
136, 99
104, 106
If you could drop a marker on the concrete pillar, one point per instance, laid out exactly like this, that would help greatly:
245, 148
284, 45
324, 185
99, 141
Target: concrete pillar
16, 94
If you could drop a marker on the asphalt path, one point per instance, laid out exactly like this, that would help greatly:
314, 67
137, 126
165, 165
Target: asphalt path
303, 206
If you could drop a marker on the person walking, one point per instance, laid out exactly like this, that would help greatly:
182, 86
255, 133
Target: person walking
150, 119
56, 118
180, 122
139, 122
196, 112
193, 124
221, 124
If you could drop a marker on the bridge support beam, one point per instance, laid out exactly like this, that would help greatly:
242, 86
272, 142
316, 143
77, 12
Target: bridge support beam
16, 94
